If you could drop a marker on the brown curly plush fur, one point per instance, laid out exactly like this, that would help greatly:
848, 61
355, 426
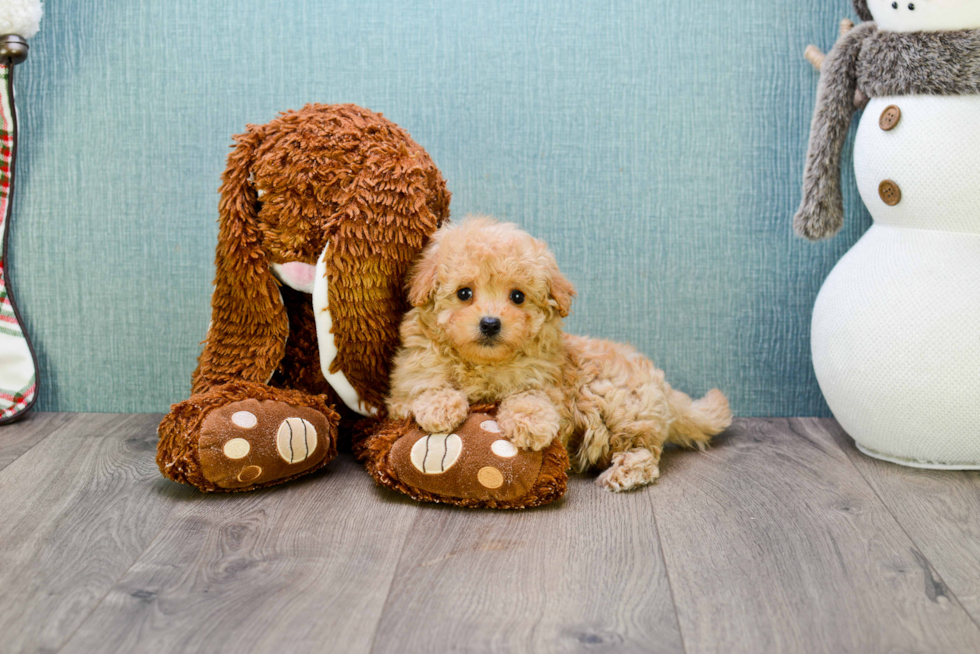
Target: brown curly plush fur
551, 484
326, 173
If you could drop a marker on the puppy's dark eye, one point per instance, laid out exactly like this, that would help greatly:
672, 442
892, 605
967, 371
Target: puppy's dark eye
516, 297
911, 7
465, 294
894, 5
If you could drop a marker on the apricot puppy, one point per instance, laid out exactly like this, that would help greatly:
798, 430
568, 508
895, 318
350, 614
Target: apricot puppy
487, 327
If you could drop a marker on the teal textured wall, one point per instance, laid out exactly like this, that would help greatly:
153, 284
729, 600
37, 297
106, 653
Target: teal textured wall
657, 145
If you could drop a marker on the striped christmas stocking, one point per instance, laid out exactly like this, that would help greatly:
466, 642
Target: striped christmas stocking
18, 365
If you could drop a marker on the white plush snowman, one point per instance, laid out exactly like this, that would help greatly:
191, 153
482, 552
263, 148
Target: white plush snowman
896, 326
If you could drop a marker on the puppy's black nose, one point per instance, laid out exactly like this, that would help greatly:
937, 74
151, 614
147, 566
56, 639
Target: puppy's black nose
490, 326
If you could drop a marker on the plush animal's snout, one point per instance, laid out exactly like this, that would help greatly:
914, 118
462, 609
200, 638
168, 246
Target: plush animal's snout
489, 326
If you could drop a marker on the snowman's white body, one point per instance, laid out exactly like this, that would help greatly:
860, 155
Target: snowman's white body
896, 326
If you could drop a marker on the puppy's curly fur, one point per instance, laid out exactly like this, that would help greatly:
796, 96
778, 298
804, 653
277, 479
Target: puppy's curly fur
607, 402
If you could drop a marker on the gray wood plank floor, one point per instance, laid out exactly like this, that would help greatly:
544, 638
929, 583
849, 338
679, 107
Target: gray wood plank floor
781, 538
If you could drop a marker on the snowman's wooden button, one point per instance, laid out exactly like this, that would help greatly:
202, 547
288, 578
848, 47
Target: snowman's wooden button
890, 193
889, 118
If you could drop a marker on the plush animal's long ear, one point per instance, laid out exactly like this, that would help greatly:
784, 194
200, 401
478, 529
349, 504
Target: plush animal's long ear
247, 336
423, 278
562, 292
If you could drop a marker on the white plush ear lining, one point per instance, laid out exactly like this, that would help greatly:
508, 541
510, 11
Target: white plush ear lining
295, 275
328, 347
20, 17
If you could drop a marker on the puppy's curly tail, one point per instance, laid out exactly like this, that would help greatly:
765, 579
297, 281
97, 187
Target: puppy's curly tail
695, 422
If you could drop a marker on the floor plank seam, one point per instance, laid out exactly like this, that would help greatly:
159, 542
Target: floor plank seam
53, 431
670, 584
819, 523
391, 582
915, 543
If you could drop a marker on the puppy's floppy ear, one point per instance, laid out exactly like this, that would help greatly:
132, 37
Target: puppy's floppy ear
424, 276
561, 291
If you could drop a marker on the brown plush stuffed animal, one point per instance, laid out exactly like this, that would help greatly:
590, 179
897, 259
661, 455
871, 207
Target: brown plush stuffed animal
322, 212
330, 204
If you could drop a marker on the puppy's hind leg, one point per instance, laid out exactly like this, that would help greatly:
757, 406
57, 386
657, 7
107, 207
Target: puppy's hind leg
631, 469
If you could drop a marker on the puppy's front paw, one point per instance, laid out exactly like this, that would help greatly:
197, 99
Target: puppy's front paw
528, 422
440, 411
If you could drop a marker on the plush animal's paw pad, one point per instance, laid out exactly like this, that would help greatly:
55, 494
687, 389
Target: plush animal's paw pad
237, 448
249, 474
296, 440
436, 453
503, 449
244, 419
490, 477
252, 443
473, 465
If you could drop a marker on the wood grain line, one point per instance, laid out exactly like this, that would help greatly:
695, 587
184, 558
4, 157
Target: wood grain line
774, 542
304, 567
585, 574
782, 537
938, 510
18, 437
78, 508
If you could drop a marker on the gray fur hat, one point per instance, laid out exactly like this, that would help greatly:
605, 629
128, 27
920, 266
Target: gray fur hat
861, 7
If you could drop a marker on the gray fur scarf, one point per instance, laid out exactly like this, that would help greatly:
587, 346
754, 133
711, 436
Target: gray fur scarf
878, 64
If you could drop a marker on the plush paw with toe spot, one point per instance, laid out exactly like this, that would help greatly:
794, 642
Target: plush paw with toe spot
246, 436
474, 466
252, 443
